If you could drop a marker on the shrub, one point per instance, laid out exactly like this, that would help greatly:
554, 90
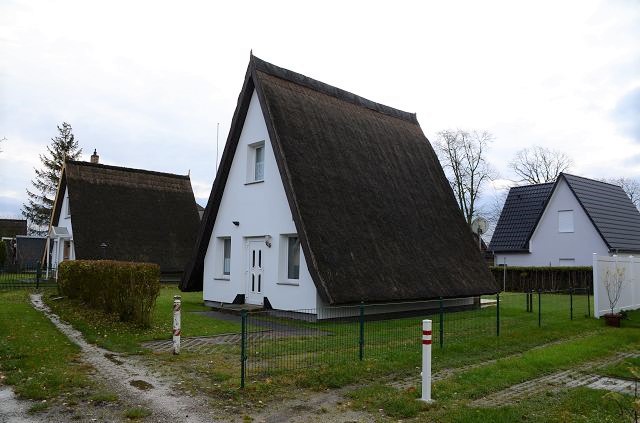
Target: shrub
126, 289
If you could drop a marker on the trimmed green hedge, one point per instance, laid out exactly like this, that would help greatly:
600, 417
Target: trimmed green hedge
546, 278
127, 289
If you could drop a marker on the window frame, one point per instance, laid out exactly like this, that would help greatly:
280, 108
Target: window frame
283, 260
252, 161
220, 272
289, 256
566, 221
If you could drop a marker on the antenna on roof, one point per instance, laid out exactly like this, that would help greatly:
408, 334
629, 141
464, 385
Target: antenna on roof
217, 136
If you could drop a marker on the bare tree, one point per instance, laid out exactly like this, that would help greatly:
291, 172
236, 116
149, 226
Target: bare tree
630, 186
462, 155
537, 165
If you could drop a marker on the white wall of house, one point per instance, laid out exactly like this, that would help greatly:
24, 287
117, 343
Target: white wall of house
554, 242
262, 210
64, 220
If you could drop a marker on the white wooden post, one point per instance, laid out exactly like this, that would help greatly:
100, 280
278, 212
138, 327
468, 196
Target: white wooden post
47, 253
596, 296
176, 324
634, 302
426, 361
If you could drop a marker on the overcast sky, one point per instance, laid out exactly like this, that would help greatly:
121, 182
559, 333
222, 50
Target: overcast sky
146, 82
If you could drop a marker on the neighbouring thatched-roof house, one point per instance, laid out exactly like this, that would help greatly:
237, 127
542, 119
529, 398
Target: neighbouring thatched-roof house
124, 214
9, 228
324, 197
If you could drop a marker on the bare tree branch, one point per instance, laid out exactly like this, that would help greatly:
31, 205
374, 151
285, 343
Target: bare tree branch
630, 186
462, 155
538, 165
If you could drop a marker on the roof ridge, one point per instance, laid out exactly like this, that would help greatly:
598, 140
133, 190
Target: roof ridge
128, 169
330, 90
532, 185
589, 179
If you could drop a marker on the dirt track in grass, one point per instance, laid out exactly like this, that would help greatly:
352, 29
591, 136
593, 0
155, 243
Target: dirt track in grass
132, 381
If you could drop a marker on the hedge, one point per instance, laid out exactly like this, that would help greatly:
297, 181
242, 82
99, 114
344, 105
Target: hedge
522, 279
127, 289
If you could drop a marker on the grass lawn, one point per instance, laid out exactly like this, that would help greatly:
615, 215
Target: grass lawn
621, 370
108, 332
35, 358
279, 368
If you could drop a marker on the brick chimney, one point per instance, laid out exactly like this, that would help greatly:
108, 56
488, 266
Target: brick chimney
94, 157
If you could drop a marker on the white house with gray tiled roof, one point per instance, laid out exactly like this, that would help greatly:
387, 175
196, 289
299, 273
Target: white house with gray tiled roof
564, 223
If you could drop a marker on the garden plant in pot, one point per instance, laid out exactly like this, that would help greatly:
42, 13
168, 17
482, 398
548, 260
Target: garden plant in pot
613, 281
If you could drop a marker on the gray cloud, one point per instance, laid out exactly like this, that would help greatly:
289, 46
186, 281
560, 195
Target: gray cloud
627, 114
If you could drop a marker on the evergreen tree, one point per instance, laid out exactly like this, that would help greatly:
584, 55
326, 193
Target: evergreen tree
40, 203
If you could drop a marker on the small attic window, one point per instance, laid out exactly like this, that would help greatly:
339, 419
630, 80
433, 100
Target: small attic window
255, 162
565, 221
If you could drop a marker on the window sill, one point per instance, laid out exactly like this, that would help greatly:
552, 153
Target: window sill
292, 283
222, 279
254, 182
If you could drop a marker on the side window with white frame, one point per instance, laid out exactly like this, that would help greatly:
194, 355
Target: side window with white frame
255, 162
289, 260
293, 258
225, 244
565, 221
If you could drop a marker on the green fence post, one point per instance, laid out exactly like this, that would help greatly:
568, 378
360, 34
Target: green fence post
531, 301
441, 335
571, 302
243, 348
38, 274
588, 304
361, 344
539, 307
498, 314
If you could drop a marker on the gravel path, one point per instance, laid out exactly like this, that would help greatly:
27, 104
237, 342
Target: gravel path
132, 380
13, 410
571, 378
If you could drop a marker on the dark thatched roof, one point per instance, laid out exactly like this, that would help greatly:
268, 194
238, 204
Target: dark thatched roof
9, 228
141, 215
376, 217
608, 207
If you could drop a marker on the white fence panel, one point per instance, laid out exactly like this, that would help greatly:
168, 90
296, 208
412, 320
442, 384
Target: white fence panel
626, 269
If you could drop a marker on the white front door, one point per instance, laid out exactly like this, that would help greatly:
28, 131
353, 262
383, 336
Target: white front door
255, 272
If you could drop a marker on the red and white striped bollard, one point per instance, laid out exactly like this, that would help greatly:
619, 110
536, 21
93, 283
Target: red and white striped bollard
176, 324
426, 361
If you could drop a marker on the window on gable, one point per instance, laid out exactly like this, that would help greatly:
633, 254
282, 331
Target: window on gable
565, 221
293, 258
259, 164
255, 162
226, 256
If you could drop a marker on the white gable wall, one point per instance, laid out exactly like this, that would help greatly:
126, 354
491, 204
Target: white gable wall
261, 209
549, 247
64, 221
